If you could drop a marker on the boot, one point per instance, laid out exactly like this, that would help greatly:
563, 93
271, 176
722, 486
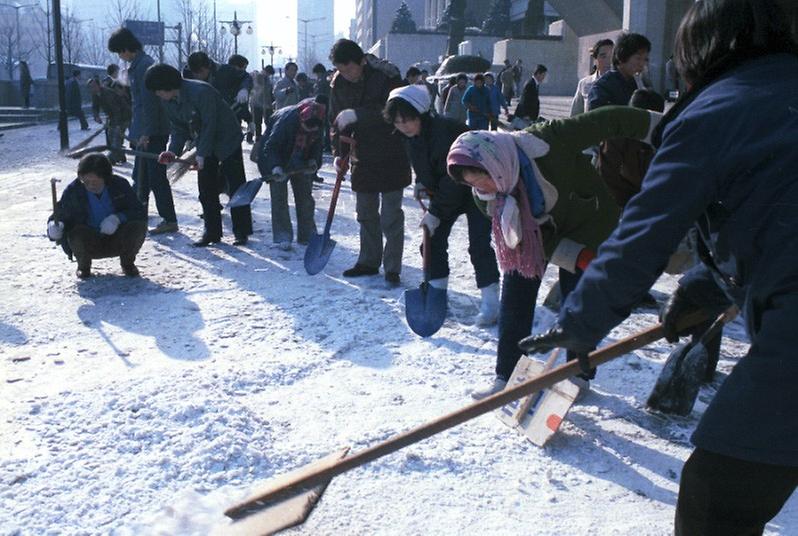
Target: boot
441, 283
359, 270
489, 308
84, 269
498, 384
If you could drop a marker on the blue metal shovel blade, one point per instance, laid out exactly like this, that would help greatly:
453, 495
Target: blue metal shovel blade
425, 309
318, 252
245, 193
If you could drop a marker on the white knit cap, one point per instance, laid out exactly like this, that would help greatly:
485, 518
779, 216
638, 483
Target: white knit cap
416, 95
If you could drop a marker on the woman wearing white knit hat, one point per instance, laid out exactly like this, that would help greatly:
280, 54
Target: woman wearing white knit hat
428, 139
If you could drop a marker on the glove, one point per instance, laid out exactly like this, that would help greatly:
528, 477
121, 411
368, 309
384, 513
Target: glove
200, 162
420, 191
242, 96
430, 222
345, 118
557, 337
167, 157
677, 306
55, 230
341, 165
109, 225
278, 174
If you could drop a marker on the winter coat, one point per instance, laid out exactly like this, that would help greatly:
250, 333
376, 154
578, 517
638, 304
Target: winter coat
622, 164
728, 164
229, 80
579, 104
74, 100
454, 108
73, 207
286, 93
200, 113
149, 116
428, 152
478, 98
322, 87
529, 105
584, 213
114, 104
611, 88
278, 148
380, 163
496, 100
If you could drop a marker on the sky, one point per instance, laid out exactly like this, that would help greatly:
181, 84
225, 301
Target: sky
274, 27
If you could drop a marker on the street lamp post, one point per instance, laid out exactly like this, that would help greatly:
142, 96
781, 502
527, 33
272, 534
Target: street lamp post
235, 28
305, 48
271, 48
16, 8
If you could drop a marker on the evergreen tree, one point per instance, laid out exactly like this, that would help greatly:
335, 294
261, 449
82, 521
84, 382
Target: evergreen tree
498, 19
403, 22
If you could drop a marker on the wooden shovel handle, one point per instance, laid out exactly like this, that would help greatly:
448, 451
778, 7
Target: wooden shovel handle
308, 479
54, 194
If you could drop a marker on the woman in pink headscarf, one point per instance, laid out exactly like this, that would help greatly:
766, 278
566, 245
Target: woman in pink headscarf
547, 204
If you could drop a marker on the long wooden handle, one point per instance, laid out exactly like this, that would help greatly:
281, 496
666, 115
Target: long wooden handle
310, 479
55, 198
153, 156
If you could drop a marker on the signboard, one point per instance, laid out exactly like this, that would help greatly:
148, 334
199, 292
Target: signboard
148, 32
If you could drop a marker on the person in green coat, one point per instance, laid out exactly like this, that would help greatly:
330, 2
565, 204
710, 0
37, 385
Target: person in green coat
548, 205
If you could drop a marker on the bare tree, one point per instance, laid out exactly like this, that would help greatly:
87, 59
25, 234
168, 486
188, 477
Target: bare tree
118, 11
95, 51
200, 32
72, 35
8, 41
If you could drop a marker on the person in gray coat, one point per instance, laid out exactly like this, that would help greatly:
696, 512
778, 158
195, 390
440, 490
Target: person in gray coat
197, 111
286, 90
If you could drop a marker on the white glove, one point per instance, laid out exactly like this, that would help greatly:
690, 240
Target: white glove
345, 118
55, 230
109, 225
200, 162
420, 191
243, 96
430, 222
340, 165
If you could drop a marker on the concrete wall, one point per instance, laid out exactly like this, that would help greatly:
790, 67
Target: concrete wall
404, 50
559, 55
479, 46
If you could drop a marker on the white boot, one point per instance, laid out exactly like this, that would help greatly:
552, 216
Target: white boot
492, 388
489, 308
441, 283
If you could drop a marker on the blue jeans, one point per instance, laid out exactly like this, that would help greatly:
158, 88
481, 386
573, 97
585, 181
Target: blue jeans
282, 230
483, 258
517, 312
150, 176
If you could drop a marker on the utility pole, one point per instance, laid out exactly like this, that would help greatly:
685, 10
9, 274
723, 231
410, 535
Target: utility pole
160, 47
59, 60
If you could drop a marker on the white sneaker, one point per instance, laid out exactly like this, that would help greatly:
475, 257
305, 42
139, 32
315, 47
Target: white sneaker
494, 387
489, 308
441, 283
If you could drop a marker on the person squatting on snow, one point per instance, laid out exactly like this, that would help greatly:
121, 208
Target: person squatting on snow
149, 126
293, 142
726, 164
99, 216
380, 170
427, 139
197, 111
476, 100
117, 111
547, 203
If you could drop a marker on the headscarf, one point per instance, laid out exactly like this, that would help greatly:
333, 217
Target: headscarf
311, 112
516, 233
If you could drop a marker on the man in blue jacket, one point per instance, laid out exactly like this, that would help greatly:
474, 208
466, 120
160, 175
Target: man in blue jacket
74, 100
99, 216
197, 111
727, 161
149, 127
616, 86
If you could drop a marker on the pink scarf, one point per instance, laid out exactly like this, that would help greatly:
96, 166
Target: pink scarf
516, 235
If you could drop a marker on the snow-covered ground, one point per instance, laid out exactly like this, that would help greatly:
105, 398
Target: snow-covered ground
146, 406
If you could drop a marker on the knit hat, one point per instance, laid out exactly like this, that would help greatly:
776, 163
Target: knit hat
416, 95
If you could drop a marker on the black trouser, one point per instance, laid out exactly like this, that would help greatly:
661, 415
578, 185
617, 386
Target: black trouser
217, 176
260, 116
150, 176
725, 496
517, 312
87, 243
483, 258
81, 117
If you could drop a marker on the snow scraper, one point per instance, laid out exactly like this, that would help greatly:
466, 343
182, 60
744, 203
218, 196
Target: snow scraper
85, 142
677, 386
246, 193
320, 246
287, 500
425, 306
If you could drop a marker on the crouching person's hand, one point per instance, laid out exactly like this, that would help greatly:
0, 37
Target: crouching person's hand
109, 225
55, 230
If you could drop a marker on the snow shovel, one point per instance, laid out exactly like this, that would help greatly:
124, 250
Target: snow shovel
79, 153
85, 142
303, 484
677, 386
246, 193
320, 246
425, 306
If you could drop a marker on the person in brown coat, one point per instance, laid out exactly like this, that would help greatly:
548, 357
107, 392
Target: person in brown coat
380, 169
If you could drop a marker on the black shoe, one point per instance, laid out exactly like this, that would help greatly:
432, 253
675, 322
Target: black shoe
392, 278
206, 241
130, 270
240, 241
318, 179
359, 269
83, 273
